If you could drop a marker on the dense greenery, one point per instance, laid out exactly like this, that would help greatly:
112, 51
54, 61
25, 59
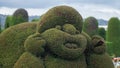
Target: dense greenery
102, 32
90, 26
98, 57
113, 36
60, 15
0, 27
12, 43
27, 60
8, 21
58, 42
19, 16
34, 44
35, 20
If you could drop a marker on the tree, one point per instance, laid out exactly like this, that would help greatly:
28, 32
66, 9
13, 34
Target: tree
113, 36
90, 26
20, 16
8, 21
102, 32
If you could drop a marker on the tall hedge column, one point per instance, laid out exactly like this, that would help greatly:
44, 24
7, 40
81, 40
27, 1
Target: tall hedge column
113, 36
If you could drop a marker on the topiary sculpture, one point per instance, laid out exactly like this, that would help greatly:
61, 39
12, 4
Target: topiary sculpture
91, 26
12, 43
113, 36
60, 41
98, 57
19, 16
60, 15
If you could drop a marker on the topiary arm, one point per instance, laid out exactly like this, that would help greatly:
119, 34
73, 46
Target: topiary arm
35, 44
98, 44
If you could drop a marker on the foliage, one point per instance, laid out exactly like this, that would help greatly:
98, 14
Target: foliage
67, 46
98, 57
35, 20
90, 26
19, 16
8, 21
60, 15
27, 60
12, 43
100, 61
52, 62
102, 32
34, 44
113, 36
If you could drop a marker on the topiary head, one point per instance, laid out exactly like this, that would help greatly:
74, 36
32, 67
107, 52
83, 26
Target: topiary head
62, 44
60, 15
91, 26
20, 15
98, 44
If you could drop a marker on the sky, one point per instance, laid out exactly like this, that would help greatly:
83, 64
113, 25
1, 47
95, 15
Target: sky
100, 9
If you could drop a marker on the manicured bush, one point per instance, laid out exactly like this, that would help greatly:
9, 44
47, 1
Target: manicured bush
69, 29
67, 46
113, 36
102, 32
90, 26
35, 44
60, 15
19, 16
8, 21
12, 43
52, 62
27, 60
98, 57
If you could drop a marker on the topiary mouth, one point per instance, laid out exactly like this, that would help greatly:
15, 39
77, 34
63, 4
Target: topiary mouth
100, 43
71, 45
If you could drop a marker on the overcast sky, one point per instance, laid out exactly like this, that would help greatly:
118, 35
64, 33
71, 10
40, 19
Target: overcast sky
104, 9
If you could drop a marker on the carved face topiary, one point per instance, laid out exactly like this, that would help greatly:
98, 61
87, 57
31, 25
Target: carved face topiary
64, 44
60, 15
98, 44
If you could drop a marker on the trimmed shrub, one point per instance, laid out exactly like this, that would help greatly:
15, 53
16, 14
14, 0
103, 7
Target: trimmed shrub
52, 62
102, 32
98, 57
27, 60
90, 26
100, 61
113, 36
67, 46
12, 43
60, 15
19, 16
8, 21
69, 29
0, 27
34, 44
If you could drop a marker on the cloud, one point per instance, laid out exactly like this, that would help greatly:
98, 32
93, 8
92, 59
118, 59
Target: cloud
85, 9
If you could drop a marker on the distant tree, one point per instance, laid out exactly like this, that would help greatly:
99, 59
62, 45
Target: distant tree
8, 21
0, 26
102, 32
90, 26
20, 16
35, 20
113, 36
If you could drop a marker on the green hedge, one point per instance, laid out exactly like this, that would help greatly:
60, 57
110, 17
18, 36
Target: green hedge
12, 43
27, 60
19, 16
60, 15
64, 40
90, 26
113, 36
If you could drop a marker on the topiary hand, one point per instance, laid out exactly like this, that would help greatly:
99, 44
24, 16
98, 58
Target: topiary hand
98, 44
35, 44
